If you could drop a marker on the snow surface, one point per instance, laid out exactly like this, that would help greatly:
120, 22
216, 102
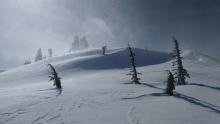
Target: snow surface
96, 90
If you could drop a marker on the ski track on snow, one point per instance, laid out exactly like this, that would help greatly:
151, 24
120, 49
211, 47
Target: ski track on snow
131, 117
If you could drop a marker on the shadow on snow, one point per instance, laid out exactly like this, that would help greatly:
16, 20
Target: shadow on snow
58, 92
177, 95
205, 85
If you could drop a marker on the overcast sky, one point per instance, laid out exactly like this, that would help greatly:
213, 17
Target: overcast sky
26, 25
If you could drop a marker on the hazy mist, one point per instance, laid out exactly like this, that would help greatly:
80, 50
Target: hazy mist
26, 25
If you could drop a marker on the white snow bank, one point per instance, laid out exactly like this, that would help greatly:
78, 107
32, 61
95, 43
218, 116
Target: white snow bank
199, 57
99, 94
84, 60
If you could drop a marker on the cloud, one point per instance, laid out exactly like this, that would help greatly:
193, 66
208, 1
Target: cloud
97, 31
27, 25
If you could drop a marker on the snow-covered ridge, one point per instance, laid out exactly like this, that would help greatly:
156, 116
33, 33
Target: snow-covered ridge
199, 57
85, 60
92, 59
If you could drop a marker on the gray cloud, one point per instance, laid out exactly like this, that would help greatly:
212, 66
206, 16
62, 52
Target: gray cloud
27, 25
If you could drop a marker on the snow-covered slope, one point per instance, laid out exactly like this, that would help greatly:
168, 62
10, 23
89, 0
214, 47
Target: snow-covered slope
95, 91
200, 58
85, 60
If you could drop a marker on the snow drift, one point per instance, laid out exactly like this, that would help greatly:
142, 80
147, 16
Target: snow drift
200, 58
91, 59
95, 90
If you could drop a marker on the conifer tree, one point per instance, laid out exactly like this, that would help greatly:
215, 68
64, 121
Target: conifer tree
84, 43
170, 84
54, 76
76, 43
133, 70
26, 62
39, 55
104, 50
50, 52
179, 72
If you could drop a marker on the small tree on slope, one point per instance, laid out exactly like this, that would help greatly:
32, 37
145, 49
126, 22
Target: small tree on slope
26, 62
54, 76
39, 55
104, 50
170, 84
179, 72
133, 70
50, 52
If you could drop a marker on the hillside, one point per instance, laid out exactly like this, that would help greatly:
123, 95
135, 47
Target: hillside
96, 90
81, 61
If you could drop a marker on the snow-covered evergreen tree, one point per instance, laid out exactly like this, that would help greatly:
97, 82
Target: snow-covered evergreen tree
84, 43
179, 72
133, 70
50, 52
26, 62
80, 43
170, 84
75, 44
54, 76
39, 55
